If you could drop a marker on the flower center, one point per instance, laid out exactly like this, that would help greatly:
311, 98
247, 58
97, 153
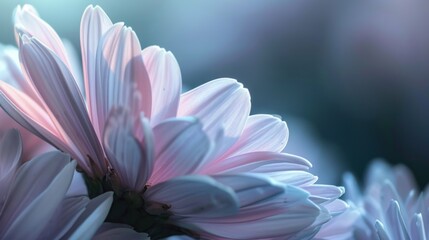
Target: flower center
129, 208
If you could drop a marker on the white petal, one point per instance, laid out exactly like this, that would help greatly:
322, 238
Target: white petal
181, 146
125, 153
91, 219
258, 162
38, 193
121, 79
261, 133
395, 222
418, 228
192, 196
166, 82
381, 231
221, 105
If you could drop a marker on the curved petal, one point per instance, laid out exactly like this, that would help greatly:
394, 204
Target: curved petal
37, 194
57, 87
220, 105
190, 195
258, 162
91, 219
277, 218
181, 146
166, 82
28, 22
94, 24
121, 77
125, 153
261, 133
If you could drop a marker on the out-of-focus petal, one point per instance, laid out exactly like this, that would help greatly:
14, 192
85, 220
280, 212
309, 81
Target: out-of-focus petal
181, 146
417, 228
10, 155
166, 82
191, 196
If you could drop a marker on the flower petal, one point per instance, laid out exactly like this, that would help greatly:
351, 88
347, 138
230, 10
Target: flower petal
192, 195
166, 82
181, 147
260, 162
261, 133
91, 219
28, 22
10, 156
39, 188
94, 24
125, 153
220, 105
121, 79
57, 87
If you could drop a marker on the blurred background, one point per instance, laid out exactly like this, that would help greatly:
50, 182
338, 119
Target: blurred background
351, 78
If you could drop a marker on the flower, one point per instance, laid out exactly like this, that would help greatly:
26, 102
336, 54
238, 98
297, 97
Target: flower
191, 164
33, 196
390, 206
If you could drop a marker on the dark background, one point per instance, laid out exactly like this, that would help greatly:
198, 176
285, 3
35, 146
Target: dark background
349, 77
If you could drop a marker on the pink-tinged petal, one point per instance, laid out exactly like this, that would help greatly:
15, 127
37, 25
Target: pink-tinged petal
92, 218
28, 22
166, 82
181, 146
30, 115
10, 156
260, 162
57, 87
38, 191
125, 154
221, 105
121, 79
261, 133
191, 196
94, 24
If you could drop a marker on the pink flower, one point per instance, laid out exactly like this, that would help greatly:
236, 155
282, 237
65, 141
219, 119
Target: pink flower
193, 163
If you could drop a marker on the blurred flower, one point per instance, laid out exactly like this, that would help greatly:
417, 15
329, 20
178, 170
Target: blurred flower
194, 164
10, 72
390, 207
33, 199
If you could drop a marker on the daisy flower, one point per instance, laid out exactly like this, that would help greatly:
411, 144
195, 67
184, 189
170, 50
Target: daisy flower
192, 164
389, 207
